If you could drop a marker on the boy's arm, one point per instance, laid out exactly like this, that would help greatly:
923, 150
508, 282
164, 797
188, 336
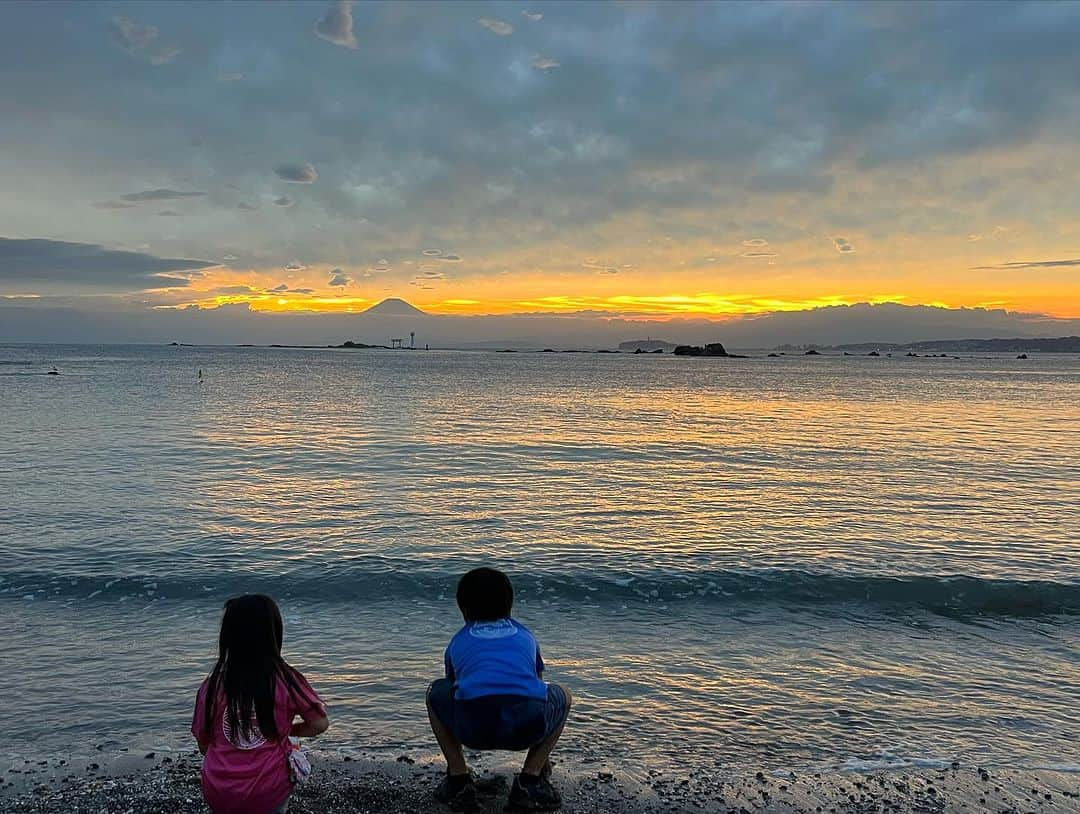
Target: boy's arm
448, 665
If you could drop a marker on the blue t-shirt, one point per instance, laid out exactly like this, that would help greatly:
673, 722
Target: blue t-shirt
495, 658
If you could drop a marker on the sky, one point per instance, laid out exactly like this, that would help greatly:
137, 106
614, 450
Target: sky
621, 160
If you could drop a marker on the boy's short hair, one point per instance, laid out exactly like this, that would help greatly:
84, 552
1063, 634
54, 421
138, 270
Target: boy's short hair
485, 594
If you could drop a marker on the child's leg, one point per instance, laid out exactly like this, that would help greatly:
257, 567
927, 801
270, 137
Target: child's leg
439, 703
559, 700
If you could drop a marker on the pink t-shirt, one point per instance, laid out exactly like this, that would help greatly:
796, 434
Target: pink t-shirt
249, 775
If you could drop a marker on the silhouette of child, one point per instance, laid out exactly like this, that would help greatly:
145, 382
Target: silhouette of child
244, 713
494, 697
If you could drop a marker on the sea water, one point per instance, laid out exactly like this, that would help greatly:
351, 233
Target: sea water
780, 562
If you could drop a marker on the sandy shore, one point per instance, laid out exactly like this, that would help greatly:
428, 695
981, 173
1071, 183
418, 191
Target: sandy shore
160, 784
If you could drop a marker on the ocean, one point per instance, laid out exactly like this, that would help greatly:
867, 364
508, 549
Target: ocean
791, 563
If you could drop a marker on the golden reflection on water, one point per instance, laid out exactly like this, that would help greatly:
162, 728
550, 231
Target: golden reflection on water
803, 460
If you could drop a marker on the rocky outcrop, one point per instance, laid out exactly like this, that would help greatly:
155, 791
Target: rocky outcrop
711, 349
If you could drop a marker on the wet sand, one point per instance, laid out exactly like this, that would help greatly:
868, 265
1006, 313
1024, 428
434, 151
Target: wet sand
155, 784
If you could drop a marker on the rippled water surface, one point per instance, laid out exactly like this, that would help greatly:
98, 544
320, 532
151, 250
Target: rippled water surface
796, 561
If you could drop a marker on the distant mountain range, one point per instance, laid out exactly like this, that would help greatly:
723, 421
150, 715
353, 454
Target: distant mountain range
874, 327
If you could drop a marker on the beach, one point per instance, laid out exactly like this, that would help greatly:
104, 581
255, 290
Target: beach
138, 784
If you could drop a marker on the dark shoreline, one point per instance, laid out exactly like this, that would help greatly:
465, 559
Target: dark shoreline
156, 784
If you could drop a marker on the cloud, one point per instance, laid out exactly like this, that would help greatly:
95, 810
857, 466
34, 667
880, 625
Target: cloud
544, 63
843, 245
37, 260
754, 255
141, 40
339, 278
159, 195
755, 243
168, 213
1033, 264
295, 265
431, 252
600, 267
112, 205
296, 173
537, 17
449, 258
336, 25
997, 230
230, 77
244, 205
284, 200
496, 26
283, 288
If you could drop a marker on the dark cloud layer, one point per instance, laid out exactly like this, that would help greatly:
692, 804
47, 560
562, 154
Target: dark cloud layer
1034, 264
721, 119
159, 195
29, 261
296, 173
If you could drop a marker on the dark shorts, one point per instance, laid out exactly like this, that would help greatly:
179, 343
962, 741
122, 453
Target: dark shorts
509, 722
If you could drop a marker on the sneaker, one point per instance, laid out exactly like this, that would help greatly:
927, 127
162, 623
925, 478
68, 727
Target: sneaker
539, 796
459, 798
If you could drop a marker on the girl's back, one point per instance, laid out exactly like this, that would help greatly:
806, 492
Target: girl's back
245, 709
246, 772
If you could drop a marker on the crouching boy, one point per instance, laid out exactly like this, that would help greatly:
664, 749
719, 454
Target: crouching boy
494, 697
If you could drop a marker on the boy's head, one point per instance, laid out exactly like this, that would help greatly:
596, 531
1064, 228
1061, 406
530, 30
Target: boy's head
485, 594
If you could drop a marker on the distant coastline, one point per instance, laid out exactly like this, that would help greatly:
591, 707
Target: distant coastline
1062, 344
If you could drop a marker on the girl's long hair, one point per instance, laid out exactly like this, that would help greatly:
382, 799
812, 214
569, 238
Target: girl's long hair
248, 667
